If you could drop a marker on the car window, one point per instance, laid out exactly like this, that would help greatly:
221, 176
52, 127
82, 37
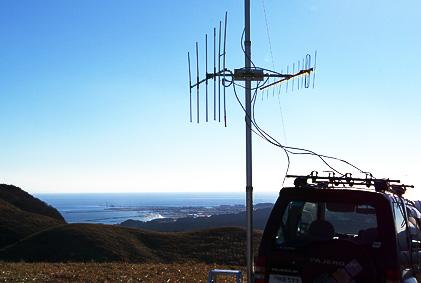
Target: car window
414, 217
400, 225
304, 222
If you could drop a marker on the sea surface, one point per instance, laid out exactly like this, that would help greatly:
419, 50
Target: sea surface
114, 208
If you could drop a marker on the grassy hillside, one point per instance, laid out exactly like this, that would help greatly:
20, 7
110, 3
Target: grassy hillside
27, 202
107, 243
29, 234
17, 224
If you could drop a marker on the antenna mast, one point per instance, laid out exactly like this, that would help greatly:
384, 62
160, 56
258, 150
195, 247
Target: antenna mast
247, 74
249, 186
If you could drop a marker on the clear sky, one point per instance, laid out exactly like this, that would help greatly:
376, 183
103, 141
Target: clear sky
95, 94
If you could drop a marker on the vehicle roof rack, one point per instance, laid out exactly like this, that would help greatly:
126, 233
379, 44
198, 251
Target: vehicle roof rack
347, 181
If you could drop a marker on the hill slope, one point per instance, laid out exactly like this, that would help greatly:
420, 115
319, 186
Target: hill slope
106, 243
31, 231
16, 224
27, 202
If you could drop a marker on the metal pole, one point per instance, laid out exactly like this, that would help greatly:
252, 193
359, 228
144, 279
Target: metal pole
249, 187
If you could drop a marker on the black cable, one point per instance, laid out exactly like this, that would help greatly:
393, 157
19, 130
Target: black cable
275, 142
261, 134
244, 51
289, 149
301, 149
256, 88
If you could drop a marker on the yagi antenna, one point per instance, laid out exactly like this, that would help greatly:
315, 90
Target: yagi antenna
304, 72
218, 71
197, 61
293, 71
247, 74
223, 66
314, 68
307, 75
188, 58
219, 77
214, 73
302, 81
206, 44
298, 77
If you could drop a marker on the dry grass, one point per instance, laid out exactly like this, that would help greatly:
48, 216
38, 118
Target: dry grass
111, 243
109, 272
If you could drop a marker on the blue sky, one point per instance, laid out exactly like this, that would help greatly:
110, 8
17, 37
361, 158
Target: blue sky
95, 94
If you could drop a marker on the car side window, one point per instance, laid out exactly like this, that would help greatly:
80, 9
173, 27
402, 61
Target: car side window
308, 215
414, 217
400, 225
290, 223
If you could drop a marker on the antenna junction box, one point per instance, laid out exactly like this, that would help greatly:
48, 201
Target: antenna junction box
248, 74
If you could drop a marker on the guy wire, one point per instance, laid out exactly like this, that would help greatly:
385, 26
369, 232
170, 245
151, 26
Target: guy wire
273, 65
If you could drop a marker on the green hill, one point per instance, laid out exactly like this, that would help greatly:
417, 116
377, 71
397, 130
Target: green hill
32, 231
27, 202
17, 224
107, 243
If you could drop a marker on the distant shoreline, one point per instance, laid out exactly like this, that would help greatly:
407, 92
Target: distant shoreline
108, 208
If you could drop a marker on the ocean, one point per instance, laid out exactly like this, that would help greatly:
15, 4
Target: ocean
114, 208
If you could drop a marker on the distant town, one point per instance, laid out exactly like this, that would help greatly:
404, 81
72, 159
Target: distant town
187, 211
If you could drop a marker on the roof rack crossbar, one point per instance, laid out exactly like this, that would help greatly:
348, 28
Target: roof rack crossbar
380, 185
347, 177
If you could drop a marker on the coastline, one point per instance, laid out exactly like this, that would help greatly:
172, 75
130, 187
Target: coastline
116, 208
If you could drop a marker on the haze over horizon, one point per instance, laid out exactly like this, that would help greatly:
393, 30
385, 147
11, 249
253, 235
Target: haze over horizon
95, 94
